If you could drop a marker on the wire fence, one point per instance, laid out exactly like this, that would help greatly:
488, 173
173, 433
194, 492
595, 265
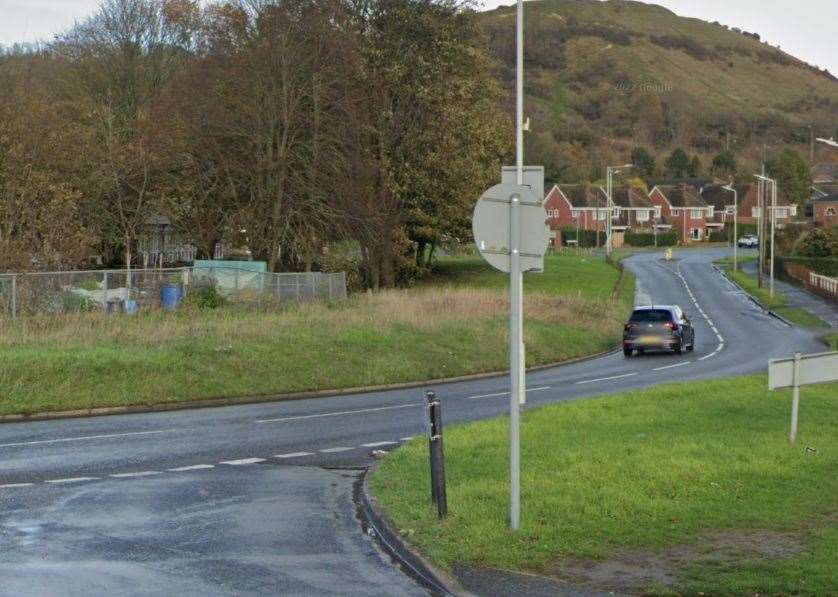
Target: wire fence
112, 291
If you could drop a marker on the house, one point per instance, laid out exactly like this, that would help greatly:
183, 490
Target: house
159, 244
633, 210
825, 210
575, 205
749, 206
723, 203
824, 173
682, 207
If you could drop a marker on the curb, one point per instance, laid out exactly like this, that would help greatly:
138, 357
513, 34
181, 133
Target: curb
755, 300
400, 550
258, 399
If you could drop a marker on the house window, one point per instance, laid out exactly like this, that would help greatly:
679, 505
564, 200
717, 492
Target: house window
793, 210
600, 214
695, 214
754, 212
675, 212
830, 212
643, 215
782, 212
729, 210
696, 233
575, 213
658, 212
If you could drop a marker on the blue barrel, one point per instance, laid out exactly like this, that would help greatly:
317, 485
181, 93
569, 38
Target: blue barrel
131, 306
170, 296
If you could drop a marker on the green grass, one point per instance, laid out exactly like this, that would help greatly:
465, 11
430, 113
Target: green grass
832, 341
646, 472
456, 325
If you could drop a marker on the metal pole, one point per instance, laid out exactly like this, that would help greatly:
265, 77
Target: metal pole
760, 219
517, 381
773, 221
105, 292
795, 400
14, 296
735, 232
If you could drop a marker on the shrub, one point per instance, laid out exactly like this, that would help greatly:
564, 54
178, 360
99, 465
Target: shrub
818, 243
718, 236
587, 238
205, 295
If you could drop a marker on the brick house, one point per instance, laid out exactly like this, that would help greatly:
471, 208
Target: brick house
723, 204
749, 206
825, 210
824, 173
682, 207
633, 209
575, 205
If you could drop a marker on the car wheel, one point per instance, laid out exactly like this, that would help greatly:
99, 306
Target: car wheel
627, 352
678, 350
691, 347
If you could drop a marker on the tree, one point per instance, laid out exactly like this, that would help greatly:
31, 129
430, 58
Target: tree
678, 163
794, 178
724, 164
695, 167
643, 161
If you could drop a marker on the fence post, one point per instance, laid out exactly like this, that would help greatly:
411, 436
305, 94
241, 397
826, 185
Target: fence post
795, 399
345, 289
330, 285
14, 296
105, 292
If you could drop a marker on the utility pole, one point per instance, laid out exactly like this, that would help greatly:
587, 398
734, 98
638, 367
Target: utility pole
609, 186
811, 145
732, 189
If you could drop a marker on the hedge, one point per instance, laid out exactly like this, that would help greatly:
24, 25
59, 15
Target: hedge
587, 238
647, 239
719, 236
825, 266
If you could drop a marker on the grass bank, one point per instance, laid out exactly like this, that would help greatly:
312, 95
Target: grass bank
453, 325
685, 488
776, 303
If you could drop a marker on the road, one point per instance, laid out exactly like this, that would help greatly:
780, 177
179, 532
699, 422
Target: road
257, 499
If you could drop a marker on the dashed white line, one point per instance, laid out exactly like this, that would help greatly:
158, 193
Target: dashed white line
294, 455
193, 467
83, 438
13, 485
243, 461
681, 364
137, 474
379, 444
334, 450
71, 480
338, 414
579, 383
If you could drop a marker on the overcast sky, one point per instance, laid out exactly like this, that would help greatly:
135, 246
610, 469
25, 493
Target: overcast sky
807, 29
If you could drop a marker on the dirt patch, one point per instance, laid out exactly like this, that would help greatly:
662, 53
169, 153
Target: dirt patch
627, 571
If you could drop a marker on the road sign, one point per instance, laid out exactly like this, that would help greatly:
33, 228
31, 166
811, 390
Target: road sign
801, 370
814, 368
533, 178
490, 225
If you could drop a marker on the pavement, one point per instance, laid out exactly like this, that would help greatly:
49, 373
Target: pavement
801, 298
258, 499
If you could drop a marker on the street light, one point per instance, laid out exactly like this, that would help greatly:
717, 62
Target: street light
735, 233
773, 210
829, 141
609, 190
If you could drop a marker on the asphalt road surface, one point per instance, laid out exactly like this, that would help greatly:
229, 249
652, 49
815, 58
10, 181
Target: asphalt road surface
258, 499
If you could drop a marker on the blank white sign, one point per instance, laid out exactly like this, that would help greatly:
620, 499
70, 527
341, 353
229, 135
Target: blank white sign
814, 368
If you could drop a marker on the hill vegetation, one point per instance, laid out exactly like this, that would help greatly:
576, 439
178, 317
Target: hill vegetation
604, 77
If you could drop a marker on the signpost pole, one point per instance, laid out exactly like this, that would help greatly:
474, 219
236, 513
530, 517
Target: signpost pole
795, 397
517, 380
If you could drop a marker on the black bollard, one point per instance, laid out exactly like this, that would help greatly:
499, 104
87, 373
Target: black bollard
437, 454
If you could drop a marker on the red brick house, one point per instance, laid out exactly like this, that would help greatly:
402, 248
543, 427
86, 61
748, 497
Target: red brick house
825, 210
683, 208
749, 205
575, 205
633, 209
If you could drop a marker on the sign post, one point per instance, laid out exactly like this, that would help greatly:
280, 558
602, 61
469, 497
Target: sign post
801, 370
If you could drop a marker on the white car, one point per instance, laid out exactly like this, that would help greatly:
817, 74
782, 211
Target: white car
749, 241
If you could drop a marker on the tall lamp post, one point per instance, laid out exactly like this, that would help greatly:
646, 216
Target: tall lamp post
773, 210
735, 233
609, 186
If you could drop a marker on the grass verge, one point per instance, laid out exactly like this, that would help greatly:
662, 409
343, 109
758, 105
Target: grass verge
453, 326
695, 486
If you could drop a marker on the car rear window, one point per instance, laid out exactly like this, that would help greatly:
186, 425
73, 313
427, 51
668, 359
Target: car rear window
651, 316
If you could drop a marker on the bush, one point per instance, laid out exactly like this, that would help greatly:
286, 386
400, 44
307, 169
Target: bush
647, 239
587, 238
719, 236
205, 295
825, 266
818, 243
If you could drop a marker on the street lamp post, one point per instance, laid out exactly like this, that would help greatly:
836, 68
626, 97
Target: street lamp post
773, 210
609, 186
735, 233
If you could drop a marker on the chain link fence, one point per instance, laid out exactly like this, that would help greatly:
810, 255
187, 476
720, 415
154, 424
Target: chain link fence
119, 290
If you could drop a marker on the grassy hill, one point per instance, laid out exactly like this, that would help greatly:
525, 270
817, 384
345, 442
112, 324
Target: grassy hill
604, 76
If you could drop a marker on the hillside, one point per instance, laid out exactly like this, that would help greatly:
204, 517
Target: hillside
604, 76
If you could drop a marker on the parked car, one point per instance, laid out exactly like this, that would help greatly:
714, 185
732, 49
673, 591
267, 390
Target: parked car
749, 241
661, 327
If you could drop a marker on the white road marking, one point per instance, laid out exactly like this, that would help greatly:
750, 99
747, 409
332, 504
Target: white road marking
334, 450
681, 364
137, 474
406, 439
72, 480
83, 438
194, 467
294, 455
243, 461
341, 413
579, 383
498, 394
13, 485
377, 444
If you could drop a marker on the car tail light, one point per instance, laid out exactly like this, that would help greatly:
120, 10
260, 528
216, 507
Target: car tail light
672, 326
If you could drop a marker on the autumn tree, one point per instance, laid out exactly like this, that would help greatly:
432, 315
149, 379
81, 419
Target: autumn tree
678, 163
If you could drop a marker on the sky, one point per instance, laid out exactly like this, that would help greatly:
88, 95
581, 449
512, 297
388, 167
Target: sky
809, 33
